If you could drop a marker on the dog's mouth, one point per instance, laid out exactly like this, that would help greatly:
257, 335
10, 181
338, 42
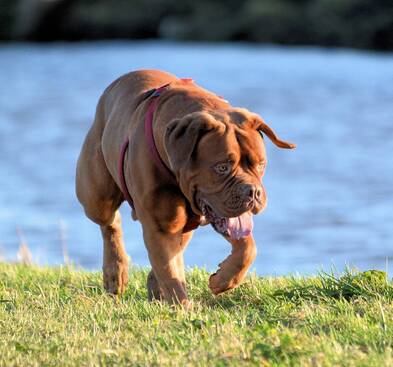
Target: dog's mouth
235, 227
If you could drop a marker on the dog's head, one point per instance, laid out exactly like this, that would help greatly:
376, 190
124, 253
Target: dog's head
219, 160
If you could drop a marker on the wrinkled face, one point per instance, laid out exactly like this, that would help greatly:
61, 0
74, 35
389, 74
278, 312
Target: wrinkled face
219, 159
231, 164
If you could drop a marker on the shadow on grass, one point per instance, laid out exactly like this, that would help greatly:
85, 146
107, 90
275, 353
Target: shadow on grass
260, 292
352, 284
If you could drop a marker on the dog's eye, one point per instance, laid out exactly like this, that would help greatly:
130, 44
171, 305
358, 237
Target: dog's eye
222, 168
261, 167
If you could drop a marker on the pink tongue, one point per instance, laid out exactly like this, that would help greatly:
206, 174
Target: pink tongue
240, 226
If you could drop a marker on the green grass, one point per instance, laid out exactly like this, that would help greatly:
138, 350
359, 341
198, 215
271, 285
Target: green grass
62, 317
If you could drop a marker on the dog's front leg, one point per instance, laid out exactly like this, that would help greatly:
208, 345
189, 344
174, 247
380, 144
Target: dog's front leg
234, 268
165, 254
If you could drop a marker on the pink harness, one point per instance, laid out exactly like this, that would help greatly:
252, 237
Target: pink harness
193, 222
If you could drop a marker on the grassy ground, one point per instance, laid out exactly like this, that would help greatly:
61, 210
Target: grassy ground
61, 317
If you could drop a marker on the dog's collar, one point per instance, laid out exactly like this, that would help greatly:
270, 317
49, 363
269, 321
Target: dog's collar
153, 95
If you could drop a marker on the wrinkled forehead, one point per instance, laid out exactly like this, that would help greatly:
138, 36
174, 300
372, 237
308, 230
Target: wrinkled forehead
250, 142
219, 145
235, 142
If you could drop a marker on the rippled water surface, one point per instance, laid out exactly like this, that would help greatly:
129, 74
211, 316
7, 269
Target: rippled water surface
330, 201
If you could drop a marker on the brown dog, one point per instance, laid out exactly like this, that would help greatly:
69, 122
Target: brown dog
216, 156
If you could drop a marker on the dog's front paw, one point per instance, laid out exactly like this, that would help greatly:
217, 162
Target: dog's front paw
220, 284
116, 277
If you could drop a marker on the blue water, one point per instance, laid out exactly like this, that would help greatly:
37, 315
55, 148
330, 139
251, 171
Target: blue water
330, 200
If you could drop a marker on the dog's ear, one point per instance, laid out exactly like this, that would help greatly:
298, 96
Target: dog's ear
183, 135
261, 126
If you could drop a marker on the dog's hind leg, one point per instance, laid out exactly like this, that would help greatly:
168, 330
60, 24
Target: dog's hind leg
115, 267
101, 198
154, 291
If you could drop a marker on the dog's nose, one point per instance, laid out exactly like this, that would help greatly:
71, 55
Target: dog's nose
254, 193
258, 194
